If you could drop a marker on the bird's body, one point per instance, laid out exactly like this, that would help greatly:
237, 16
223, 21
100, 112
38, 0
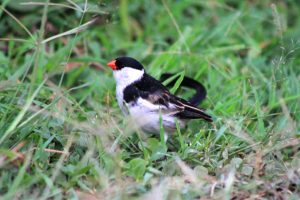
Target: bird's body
147, 101
133, 91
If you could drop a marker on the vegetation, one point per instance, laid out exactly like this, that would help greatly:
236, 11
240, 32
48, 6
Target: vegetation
62, 135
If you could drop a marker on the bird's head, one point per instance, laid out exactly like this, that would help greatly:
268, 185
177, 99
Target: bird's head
126, 70
123, 62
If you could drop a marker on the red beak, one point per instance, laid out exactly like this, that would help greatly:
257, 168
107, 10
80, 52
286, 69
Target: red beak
112, 64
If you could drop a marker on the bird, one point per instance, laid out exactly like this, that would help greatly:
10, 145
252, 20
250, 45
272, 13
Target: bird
149, 103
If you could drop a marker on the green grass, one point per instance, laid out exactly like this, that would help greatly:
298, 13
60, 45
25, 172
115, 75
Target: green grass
62, 135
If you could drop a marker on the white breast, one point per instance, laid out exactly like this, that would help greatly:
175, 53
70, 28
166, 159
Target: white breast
125, 77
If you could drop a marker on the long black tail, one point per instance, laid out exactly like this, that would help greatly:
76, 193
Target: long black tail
200, 94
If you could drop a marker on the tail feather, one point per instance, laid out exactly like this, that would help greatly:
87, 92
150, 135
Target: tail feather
200, 94
190, 113
190, 110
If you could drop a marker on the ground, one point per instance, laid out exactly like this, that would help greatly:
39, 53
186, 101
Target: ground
62, 135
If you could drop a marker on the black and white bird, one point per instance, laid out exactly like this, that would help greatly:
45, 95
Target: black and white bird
148, 101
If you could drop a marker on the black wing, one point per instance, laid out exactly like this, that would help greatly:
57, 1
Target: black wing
190, 111
152, 90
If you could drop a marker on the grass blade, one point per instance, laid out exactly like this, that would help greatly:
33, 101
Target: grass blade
21, 114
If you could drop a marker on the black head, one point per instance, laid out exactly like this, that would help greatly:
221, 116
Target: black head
122, 62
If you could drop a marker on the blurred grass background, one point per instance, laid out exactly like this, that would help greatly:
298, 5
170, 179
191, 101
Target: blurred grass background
62, 135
